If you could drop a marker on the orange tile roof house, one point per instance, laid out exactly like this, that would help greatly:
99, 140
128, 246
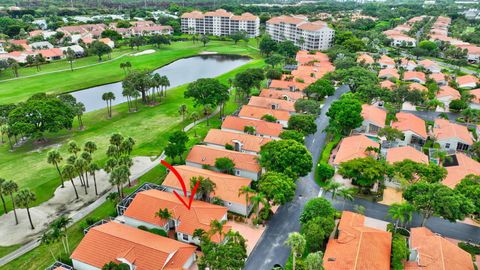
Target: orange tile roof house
418, 87
373, 119
413, 127
439, 78
388, 73
240, 142
114, 242
401, 153
358, 247
429, 65
279, 94
365, 58
227, 186
262, 128
475, 103
353, 147
272, 103
429, 251
447, 94
246, 165
408, 64
387, 84
304, 57
287, 85
452, 136
414, 76
386, 62
460, 166
142, 209
251, 112
467, 81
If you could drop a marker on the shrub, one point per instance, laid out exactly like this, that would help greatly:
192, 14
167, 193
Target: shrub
472, 249
143, 228
325, 171
400, 251
158, 232
229, 146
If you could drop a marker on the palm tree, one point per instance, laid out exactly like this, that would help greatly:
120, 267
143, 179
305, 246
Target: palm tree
90, 147
2, 183
194, 117
297, 243
333, 187
442, 156
108, 97
247, 191
92, 168
165, 84
68, 171
205, 188
10, 187
54, 158
88, 159
119, 176
61, 225
207, 110
217, 227
73, 148
182, 110
470, 115
48, 238
346, 194
81, 166
164, 214
24, 198
256, 200
402, 213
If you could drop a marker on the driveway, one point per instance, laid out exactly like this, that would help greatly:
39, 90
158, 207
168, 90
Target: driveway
271, 250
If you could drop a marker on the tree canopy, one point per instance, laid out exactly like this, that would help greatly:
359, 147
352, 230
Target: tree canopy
207, 91
277, 187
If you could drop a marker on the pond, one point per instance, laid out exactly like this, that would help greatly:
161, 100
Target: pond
179, 72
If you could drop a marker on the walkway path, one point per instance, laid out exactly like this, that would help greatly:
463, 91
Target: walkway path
88, 209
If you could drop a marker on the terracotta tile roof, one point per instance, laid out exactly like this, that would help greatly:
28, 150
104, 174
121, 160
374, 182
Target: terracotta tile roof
205, 155
436, 252
476, 94
147, 251
53, 52
219, 13
374, 114
444, 130
410, 75
257, 113
358, 247
405, 152
285, 85
280, 94
388, 72
385, 60
245, 17
249, 142
417, 86
147, 203
312, 26
428, 64
227, 186
35, 33
472, 49
438, 77
466, 166
304, 57
406, 62
353, 147
467, 79
387, 84
285, 19
410, 122
193, 15
264, 102
447, 91
261, 127
366, 58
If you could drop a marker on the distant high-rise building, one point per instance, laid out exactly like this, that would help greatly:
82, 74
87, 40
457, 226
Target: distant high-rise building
304, 34
220, 23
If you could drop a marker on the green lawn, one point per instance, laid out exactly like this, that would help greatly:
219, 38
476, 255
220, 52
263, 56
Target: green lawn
17, 90
150, 128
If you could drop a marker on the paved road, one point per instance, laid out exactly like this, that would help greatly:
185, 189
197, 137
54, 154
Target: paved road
271, 250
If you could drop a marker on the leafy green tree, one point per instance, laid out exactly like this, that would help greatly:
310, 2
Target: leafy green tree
248, 79
345, 115
292, 135
225, 165
277, 187
239, 35
158, 40
307, 106
428, 46
274, 60
317, 230
356, 77
277, 156
317, 207
470, 188
390, 133
364, 172
115, 266
204, 39
314, 261
438, 200
287, 48
325, 171
205, 188
231, 254
273, 74
400, 251
267, 45
207, 92
319, 89
303, 123
24, 199
296, 242
176, 145
140, 81
457, 105
111, 34
99, 49
269, 118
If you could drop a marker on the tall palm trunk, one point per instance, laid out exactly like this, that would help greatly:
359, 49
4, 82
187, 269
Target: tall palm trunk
294, 260
95, 183
30, 218
4, 205
60, 173
14, 209
74, 187
86, 179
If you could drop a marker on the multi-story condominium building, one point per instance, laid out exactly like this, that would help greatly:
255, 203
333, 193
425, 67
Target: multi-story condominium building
220, 23
306, 35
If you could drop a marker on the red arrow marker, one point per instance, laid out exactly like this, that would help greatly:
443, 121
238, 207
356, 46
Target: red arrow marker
182, 183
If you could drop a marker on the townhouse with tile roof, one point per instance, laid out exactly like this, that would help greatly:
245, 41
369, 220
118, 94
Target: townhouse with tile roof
386, 62
252, 112
279, 94
260, 128
446, 94
353, 147
373, 119
388, 73
414, 76
246, 165
467, 81
475, 102
240, 142
413, 128
451, 136
140, 250
226, 187
458, 166
401, 153
144, 206
272, 103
